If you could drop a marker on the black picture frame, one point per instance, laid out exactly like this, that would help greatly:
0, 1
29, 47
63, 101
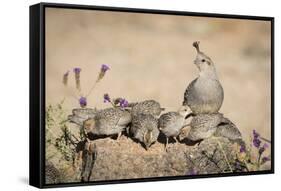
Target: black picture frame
37, 92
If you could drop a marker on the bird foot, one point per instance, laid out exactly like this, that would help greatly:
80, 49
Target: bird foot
167, 147
119, 136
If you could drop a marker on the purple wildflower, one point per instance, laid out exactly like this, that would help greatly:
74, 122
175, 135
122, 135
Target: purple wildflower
77, 78
265, 159
242, 149
265, 145
263, 148
256, 140
256, 134
83, 101
238, 165
106, 98
192, 172
76, 70
104, 68
124, 103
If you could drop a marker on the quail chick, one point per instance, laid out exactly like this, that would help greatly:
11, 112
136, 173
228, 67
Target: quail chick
228, 130
205, 93
146, 107
207, 125
110, 121
144, 129
171, 123
79, 115
204, 126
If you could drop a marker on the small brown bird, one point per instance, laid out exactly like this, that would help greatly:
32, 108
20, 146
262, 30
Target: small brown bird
228, 130
110, 121
171, 123
79, 115
205, 93
203, 126
144, 129
146, 107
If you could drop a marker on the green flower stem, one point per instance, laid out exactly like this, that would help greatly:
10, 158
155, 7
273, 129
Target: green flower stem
246, 165
92, 88
224, 155
259, 161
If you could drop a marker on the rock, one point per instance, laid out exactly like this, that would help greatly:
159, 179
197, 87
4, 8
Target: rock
52, 174
212, 155
126, 159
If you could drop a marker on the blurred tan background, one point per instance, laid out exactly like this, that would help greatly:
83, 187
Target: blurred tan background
151, 57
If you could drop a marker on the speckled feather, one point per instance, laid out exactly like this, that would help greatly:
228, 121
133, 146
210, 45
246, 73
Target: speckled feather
204, 126
142, 123
204, 96
82, 112
228, 129
171, 123
187, 98
147, 107
110, 121
79, 115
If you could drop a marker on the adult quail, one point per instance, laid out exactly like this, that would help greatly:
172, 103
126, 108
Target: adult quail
110, 121
171, 123
146, 107
205, 93
145, 129
79, 115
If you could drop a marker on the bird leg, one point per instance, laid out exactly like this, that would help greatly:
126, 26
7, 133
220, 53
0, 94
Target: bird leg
128, 131
175, 138
119, 135
167, 142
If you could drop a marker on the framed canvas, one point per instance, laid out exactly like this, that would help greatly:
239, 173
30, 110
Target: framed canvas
123, 95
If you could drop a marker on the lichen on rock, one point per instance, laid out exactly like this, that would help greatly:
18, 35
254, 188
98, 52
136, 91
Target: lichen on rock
126, 159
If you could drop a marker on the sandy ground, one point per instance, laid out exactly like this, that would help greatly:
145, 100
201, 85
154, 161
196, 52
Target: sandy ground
151, 57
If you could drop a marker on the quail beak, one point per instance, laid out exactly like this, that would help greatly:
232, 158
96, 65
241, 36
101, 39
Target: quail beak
89, 125
194, 62
147, 146
180, 138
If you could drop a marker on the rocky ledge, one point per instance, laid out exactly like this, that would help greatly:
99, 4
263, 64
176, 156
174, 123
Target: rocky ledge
109, 159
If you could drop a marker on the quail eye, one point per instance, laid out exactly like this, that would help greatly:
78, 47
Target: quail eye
203, 60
